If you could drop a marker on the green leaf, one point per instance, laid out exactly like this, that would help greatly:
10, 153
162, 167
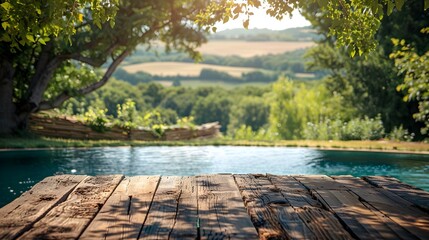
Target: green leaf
5, 25
30, 38
426, 6
322, 3
390, 7
399, 4
214, 29
353, 53
395, 41
226, 19
237, 10
6, 6
6, 37
42, 41
246, 24
374, 7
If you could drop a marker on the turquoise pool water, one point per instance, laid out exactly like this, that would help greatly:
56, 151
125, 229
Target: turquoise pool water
19, 170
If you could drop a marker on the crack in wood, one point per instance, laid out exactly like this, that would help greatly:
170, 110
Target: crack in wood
130, 198
176, 214
149, 208
220, 207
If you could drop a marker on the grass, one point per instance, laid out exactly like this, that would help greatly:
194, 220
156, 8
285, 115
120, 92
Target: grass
406, 147
249, 49
185, 69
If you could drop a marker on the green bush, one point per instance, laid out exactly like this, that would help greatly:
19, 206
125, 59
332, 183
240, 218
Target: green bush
401, 134
246, 133
324, 130
364, 129
127, 115
186, 122
356, 129
154, 121
96, 119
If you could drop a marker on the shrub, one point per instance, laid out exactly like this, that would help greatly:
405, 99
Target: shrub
245, 133
153, 120
186, 122
96, 119
401, 134
364, 129
324, 130
127, 115
355, 129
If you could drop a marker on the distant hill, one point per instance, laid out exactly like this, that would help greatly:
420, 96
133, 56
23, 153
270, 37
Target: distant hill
291, 34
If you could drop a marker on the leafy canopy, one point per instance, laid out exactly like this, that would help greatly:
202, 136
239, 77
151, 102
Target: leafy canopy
25, 22
415, 69
353, 23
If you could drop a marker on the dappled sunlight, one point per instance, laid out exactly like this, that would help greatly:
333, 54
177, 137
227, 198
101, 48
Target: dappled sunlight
221, 206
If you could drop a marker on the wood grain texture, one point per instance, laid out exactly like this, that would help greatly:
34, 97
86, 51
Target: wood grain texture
412, 194
411, 222
271, 213
221, 209
319, 182
68, 219
185, 226
173, 213
363, 220
123, 214
321, 222
19, 215
223, 206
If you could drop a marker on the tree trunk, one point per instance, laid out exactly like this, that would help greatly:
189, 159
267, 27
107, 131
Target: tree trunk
8, 119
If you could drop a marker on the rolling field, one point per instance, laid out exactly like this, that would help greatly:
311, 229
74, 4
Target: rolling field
202, 83
250, 49
184, 69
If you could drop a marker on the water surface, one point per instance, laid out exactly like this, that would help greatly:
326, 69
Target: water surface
19, 170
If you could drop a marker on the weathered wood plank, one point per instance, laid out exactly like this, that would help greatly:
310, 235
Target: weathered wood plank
363, 222
321, 222
221, 209
412, 194
319, 182
296, 193
211, 207
271, 213
187, 211
68, 219
123, 214
19, 215
173, 213
395, 208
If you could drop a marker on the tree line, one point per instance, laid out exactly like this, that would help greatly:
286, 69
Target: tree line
285, 110
50, 53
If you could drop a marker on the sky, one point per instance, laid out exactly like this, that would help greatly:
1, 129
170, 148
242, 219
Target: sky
262, 20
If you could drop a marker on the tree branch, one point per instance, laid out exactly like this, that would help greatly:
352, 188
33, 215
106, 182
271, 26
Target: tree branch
98, 62
41, 63
65, 95
57, 101
87, 60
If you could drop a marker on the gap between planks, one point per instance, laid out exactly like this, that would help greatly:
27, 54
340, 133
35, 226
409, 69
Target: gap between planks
211, 207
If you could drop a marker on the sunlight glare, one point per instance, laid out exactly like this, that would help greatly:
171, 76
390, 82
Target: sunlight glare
261, 20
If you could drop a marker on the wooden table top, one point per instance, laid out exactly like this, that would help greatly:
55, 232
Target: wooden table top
222, 206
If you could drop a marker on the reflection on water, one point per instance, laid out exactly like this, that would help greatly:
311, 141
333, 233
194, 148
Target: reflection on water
19, 170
